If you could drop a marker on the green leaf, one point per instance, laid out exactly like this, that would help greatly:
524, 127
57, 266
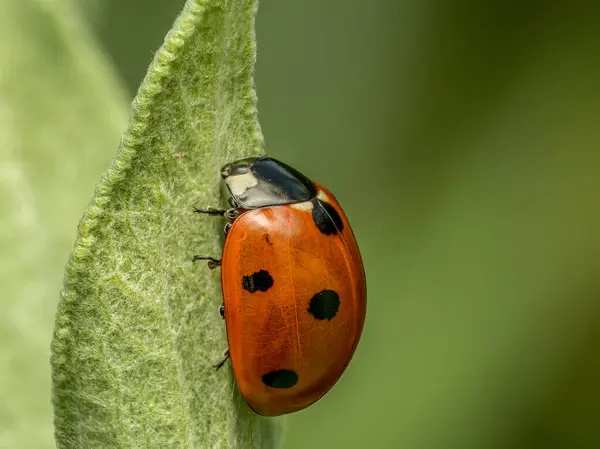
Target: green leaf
137, 331
61, 110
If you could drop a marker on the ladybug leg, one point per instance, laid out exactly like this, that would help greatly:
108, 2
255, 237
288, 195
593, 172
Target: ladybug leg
212, 262
231, 214
210, 211
222, 310
221, 362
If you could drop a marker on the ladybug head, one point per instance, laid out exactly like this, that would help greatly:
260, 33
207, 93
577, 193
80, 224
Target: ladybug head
240, 167
262, 181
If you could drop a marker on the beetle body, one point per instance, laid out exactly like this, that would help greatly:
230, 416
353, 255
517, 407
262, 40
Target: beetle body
293, 285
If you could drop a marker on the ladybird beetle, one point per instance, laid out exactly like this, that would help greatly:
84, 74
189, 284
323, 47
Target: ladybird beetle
294, 289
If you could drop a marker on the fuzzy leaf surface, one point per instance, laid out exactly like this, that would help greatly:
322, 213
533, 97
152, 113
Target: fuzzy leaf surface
138, 330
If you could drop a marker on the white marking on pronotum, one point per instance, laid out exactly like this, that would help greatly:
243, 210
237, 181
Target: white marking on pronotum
238, 184
323, 196
305, 205
262, 220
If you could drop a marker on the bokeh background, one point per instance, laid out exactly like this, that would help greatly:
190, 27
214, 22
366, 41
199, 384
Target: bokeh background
462, 139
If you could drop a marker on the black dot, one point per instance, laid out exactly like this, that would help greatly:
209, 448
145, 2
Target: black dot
326, 217
261, 280
283, 378
324, 305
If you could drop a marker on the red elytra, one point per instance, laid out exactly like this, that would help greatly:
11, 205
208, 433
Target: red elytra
293, 283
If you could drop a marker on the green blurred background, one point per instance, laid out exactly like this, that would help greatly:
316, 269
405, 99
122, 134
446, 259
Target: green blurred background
462, 139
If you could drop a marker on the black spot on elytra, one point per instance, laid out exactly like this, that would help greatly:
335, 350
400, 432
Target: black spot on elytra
283, 378
259, 281
324, 305
268, 240
326, 217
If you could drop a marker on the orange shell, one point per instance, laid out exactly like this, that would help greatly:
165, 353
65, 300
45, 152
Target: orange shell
273, 330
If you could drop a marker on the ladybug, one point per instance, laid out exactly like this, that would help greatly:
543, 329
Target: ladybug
294, 289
